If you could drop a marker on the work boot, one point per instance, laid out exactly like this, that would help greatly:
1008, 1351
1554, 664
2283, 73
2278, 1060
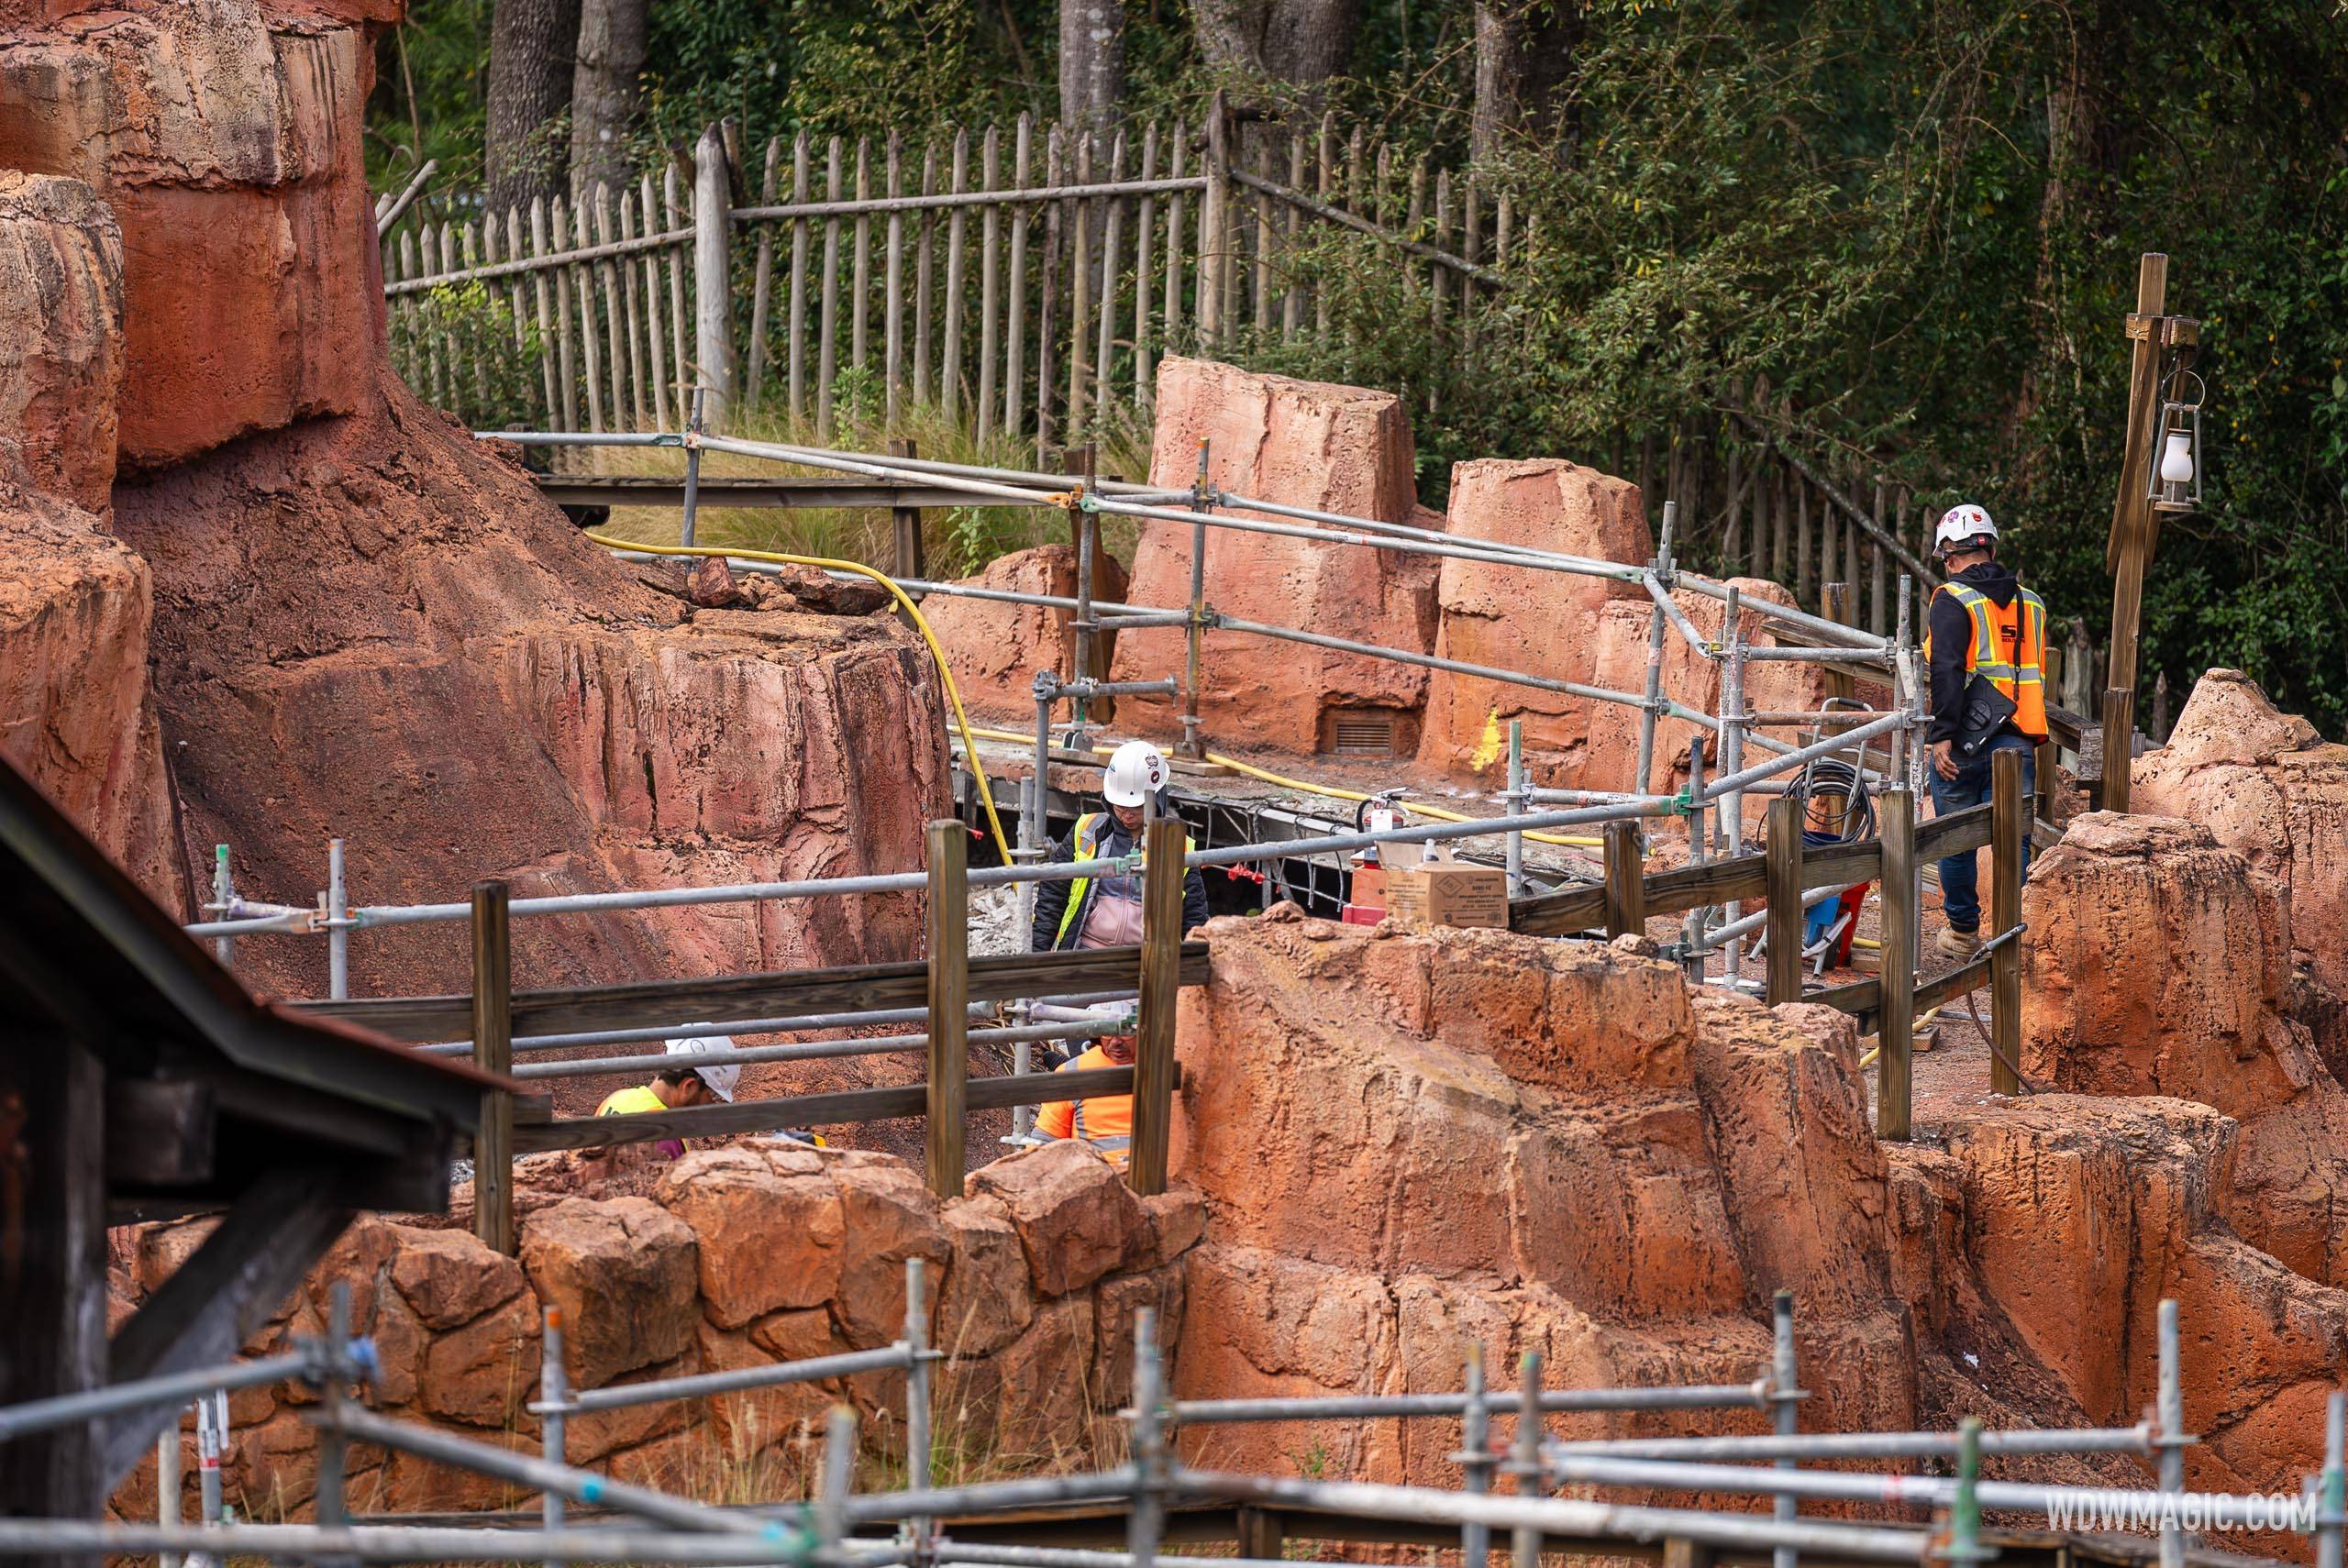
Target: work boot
1958, 943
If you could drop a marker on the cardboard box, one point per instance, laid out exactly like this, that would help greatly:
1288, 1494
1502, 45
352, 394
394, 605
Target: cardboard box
1446, 892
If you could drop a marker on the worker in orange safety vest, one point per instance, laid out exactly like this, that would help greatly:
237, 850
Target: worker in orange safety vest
1104, 1121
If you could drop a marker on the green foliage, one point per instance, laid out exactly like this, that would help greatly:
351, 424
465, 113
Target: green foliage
463, 346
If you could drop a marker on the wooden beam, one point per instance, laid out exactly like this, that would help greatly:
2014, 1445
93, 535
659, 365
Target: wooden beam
492, 1032
1161, 940
2129, 550
1625, 889
53, 1268
158, 1132
720, 999
1783, 858
1896, 929
948, 928
840, 1109
221, 1296
1960, 832
1743, 877
909, 559
2119, 747
1966, 977
2006, 846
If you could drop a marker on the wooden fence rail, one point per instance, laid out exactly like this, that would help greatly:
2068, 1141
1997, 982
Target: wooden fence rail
944, 981
1784, 874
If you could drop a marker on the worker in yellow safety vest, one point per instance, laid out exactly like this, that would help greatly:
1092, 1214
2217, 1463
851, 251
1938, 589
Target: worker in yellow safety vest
1105, 911
1105, 1121
1985, 640
693, 1082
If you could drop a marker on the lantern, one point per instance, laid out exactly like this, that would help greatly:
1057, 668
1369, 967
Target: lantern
2173, 481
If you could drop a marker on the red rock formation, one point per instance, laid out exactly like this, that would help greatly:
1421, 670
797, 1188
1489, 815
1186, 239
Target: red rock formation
994, 648
2157, 966
75, 604
1538, 621
1300, 444
2264, 783
1411, 1139
752, 1253
224, 135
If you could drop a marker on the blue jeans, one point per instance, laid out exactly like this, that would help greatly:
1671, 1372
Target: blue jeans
1960, 889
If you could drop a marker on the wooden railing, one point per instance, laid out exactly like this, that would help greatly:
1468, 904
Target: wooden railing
493, 1013
1785, 873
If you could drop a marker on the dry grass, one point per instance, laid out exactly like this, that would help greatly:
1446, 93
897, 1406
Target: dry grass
958, 541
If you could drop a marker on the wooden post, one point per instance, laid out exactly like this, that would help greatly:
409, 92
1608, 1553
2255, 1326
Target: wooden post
2130, 546
1214, 221
1839, 682
2119, 745
2042, 808
1896, 978
2007, 823
493, 1053
712, 279
1627, 888
1781, 860
910, 555
948, 921
1161, 959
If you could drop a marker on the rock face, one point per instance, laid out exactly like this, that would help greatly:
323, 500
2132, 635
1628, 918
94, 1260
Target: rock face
75, 604
2158, 967
1539, 622
2267, 785
995, 649
753, 1253
61, 337
224, 135
1538, 1145
1300, 444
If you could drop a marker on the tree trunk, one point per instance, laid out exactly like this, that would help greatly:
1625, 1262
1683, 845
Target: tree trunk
1301, 42
1525, 55
605, 90
1093, 63
531, 45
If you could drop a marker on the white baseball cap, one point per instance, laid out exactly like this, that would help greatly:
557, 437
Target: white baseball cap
721, 1077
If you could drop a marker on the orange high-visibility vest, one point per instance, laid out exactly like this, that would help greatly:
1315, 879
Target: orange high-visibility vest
1105, 1121
2008, 647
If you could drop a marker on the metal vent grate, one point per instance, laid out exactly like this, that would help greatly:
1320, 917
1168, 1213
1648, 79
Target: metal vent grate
1362, 734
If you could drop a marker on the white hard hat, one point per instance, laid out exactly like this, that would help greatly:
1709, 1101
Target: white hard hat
1137, 770
1959, 524
721, 1077
1119, 1013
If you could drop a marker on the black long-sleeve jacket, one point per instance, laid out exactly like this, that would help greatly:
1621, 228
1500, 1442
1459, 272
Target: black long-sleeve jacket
1952, 634
1051, 897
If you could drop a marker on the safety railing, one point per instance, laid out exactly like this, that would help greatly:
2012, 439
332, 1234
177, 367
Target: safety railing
1142, 1497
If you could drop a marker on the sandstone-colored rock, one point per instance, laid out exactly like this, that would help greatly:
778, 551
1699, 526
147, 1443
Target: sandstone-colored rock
1334, 448
987, 1299
2265, 785
995, 648
1178, 1218
2158, 967
379, 586
889, 1215
595, 1435
225, 137
754, 1418
451, 1277
1014, 1403
61, 337
484, 1372
1076, 1217
767, 1240
622, 1274
400, 1339
76, 713
1542, 623
162, 1250
411, 1483
1116, 1301
275, 1466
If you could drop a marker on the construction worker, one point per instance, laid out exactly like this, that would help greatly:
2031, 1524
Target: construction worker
1105, 1121
1105, 911
1985, 640
693, 1083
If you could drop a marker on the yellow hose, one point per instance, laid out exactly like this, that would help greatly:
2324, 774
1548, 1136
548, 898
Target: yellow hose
1868, 1060
1438, 812
921, 624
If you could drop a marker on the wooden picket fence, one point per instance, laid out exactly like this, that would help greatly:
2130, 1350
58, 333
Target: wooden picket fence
1027, 279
